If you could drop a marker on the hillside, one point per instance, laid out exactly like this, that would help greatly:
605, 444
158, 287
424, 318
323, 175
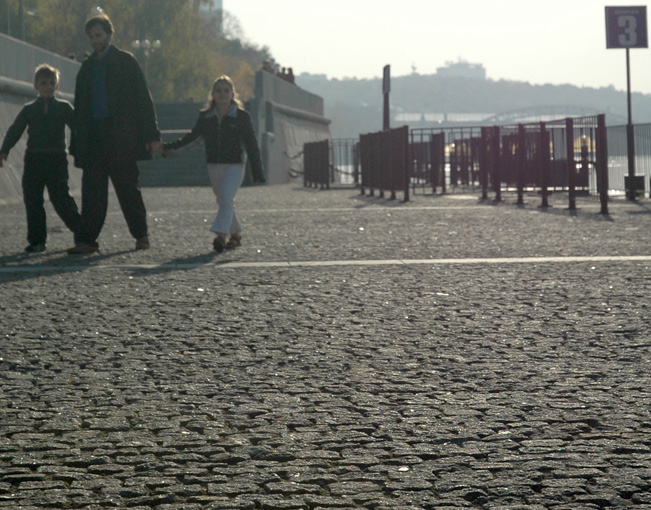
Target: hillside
355, 106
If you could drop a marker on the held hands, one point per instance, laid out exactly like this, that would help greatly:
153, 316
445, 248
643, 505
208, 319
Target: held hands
154, 147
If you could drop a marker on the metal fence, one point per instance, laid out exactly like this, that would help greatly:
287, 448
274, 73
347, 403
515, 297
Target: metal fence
331, 162
344, 161
566, 158
618, 159
316, 164
566, 155
384, 158
444, 158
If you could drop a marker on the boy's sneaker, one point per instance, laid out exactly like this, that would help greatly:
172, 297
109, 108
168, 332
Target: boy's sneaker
35, 248
142, 243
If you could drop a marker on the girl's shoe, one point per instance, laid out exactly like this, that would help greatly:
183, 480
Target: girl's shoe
234, 242
219, 244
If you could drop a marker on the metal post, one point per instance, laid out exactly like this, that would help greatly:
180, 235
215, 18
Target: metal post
630, 133
483, 162
544, 158
405, 161
571, 164
497, 156
522, 146
21, 18
602, 162
324, 154
8, 19
386, 88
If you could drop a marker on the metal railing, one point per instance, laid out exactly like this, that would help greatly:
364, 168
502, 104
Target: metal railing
344, 161
565, 155
571, 157
618, 159
444, 158
384, 158
331, 162
316, 163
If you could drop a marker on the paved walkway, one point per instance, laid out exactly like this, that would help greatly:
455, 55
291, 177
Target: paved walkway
355, 352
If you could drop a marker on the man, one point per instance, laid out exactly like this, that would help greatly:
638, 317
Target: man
115, 126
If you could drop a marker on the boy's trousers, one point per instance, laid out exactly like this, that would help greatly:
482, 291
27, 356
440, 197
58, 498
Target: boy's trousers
47, 171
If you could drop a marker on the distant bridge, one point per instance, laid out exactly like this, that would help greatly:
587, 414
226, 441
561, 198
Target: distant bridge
543, 113
548, 113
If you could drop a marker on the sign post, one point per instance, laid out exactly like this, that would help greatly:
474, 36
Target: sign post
386, 88
626, 28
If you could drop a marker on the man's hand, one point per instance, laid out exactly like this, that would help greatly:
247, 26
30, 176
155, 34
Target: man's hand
154, 147
3, 157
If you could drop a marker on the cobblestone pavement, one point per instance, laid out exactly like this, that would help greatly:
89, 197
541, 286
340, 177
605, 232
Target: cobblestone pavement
355, 352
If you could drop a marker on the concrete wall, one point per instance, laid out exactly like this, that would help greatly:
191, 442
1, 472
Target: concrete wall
17, 63
285, 117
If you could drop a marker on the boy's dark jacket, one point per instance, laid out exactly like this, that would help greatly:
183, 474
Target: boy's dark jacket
45, 131
131, 106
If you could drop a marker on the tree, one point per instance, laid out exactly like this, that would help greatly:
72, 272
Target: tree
197, 45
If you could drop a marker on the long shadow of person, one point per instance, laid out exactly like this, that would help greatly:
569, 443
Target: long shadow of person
25, 266
178, 264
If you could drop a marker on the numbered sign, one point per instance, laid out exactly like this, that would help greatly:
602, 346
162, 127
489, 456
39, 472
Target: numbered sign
626, 27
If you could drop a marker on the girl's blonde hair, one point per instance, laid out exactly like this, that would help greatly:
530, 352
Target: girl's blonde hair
225, 79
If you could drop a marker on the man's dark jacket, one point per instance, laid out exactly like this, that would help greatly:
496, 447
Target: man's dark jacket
132, 110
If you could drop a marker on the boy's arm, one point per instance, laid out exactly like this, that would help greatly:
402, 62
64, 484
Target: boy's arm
14, 132
3, 157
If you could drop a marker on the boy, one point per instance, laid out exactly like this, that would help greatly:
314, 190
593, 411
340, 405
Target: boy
46, 164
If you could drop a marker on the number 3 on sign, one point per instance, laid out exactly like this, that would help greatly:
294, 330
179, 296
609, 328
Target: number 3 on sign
626, 27
628, 37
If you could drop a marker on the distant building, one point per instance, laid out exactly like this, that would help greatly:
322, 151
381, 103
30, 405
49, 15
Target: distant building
463, 69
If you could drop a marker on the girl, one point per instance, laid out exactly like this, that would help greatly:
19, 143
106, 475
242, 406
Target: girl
227, 131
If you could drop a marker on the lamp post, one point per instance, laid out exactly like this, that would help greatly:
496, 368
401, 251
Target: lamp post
22, 12
147, 47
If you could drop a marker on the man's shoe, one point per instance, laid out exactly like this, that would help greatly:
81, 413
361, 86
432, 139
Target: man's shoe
82, 248
142, 243
35, 248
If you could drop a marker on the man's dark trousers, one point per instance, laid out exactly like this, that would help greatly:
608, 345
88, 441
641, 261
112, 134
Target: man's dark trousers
47, 171
105, 164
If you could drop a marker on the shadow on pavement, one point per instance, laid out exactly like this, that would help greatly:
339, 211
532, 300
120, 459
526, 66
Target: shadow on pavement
177, 264
17, 267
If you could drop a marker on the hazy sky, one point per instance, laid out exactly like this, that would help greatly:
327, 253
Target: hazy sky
539, 41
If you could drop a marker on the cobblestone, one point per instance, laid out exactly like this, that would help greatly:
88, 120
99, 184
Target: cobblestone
353, 353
